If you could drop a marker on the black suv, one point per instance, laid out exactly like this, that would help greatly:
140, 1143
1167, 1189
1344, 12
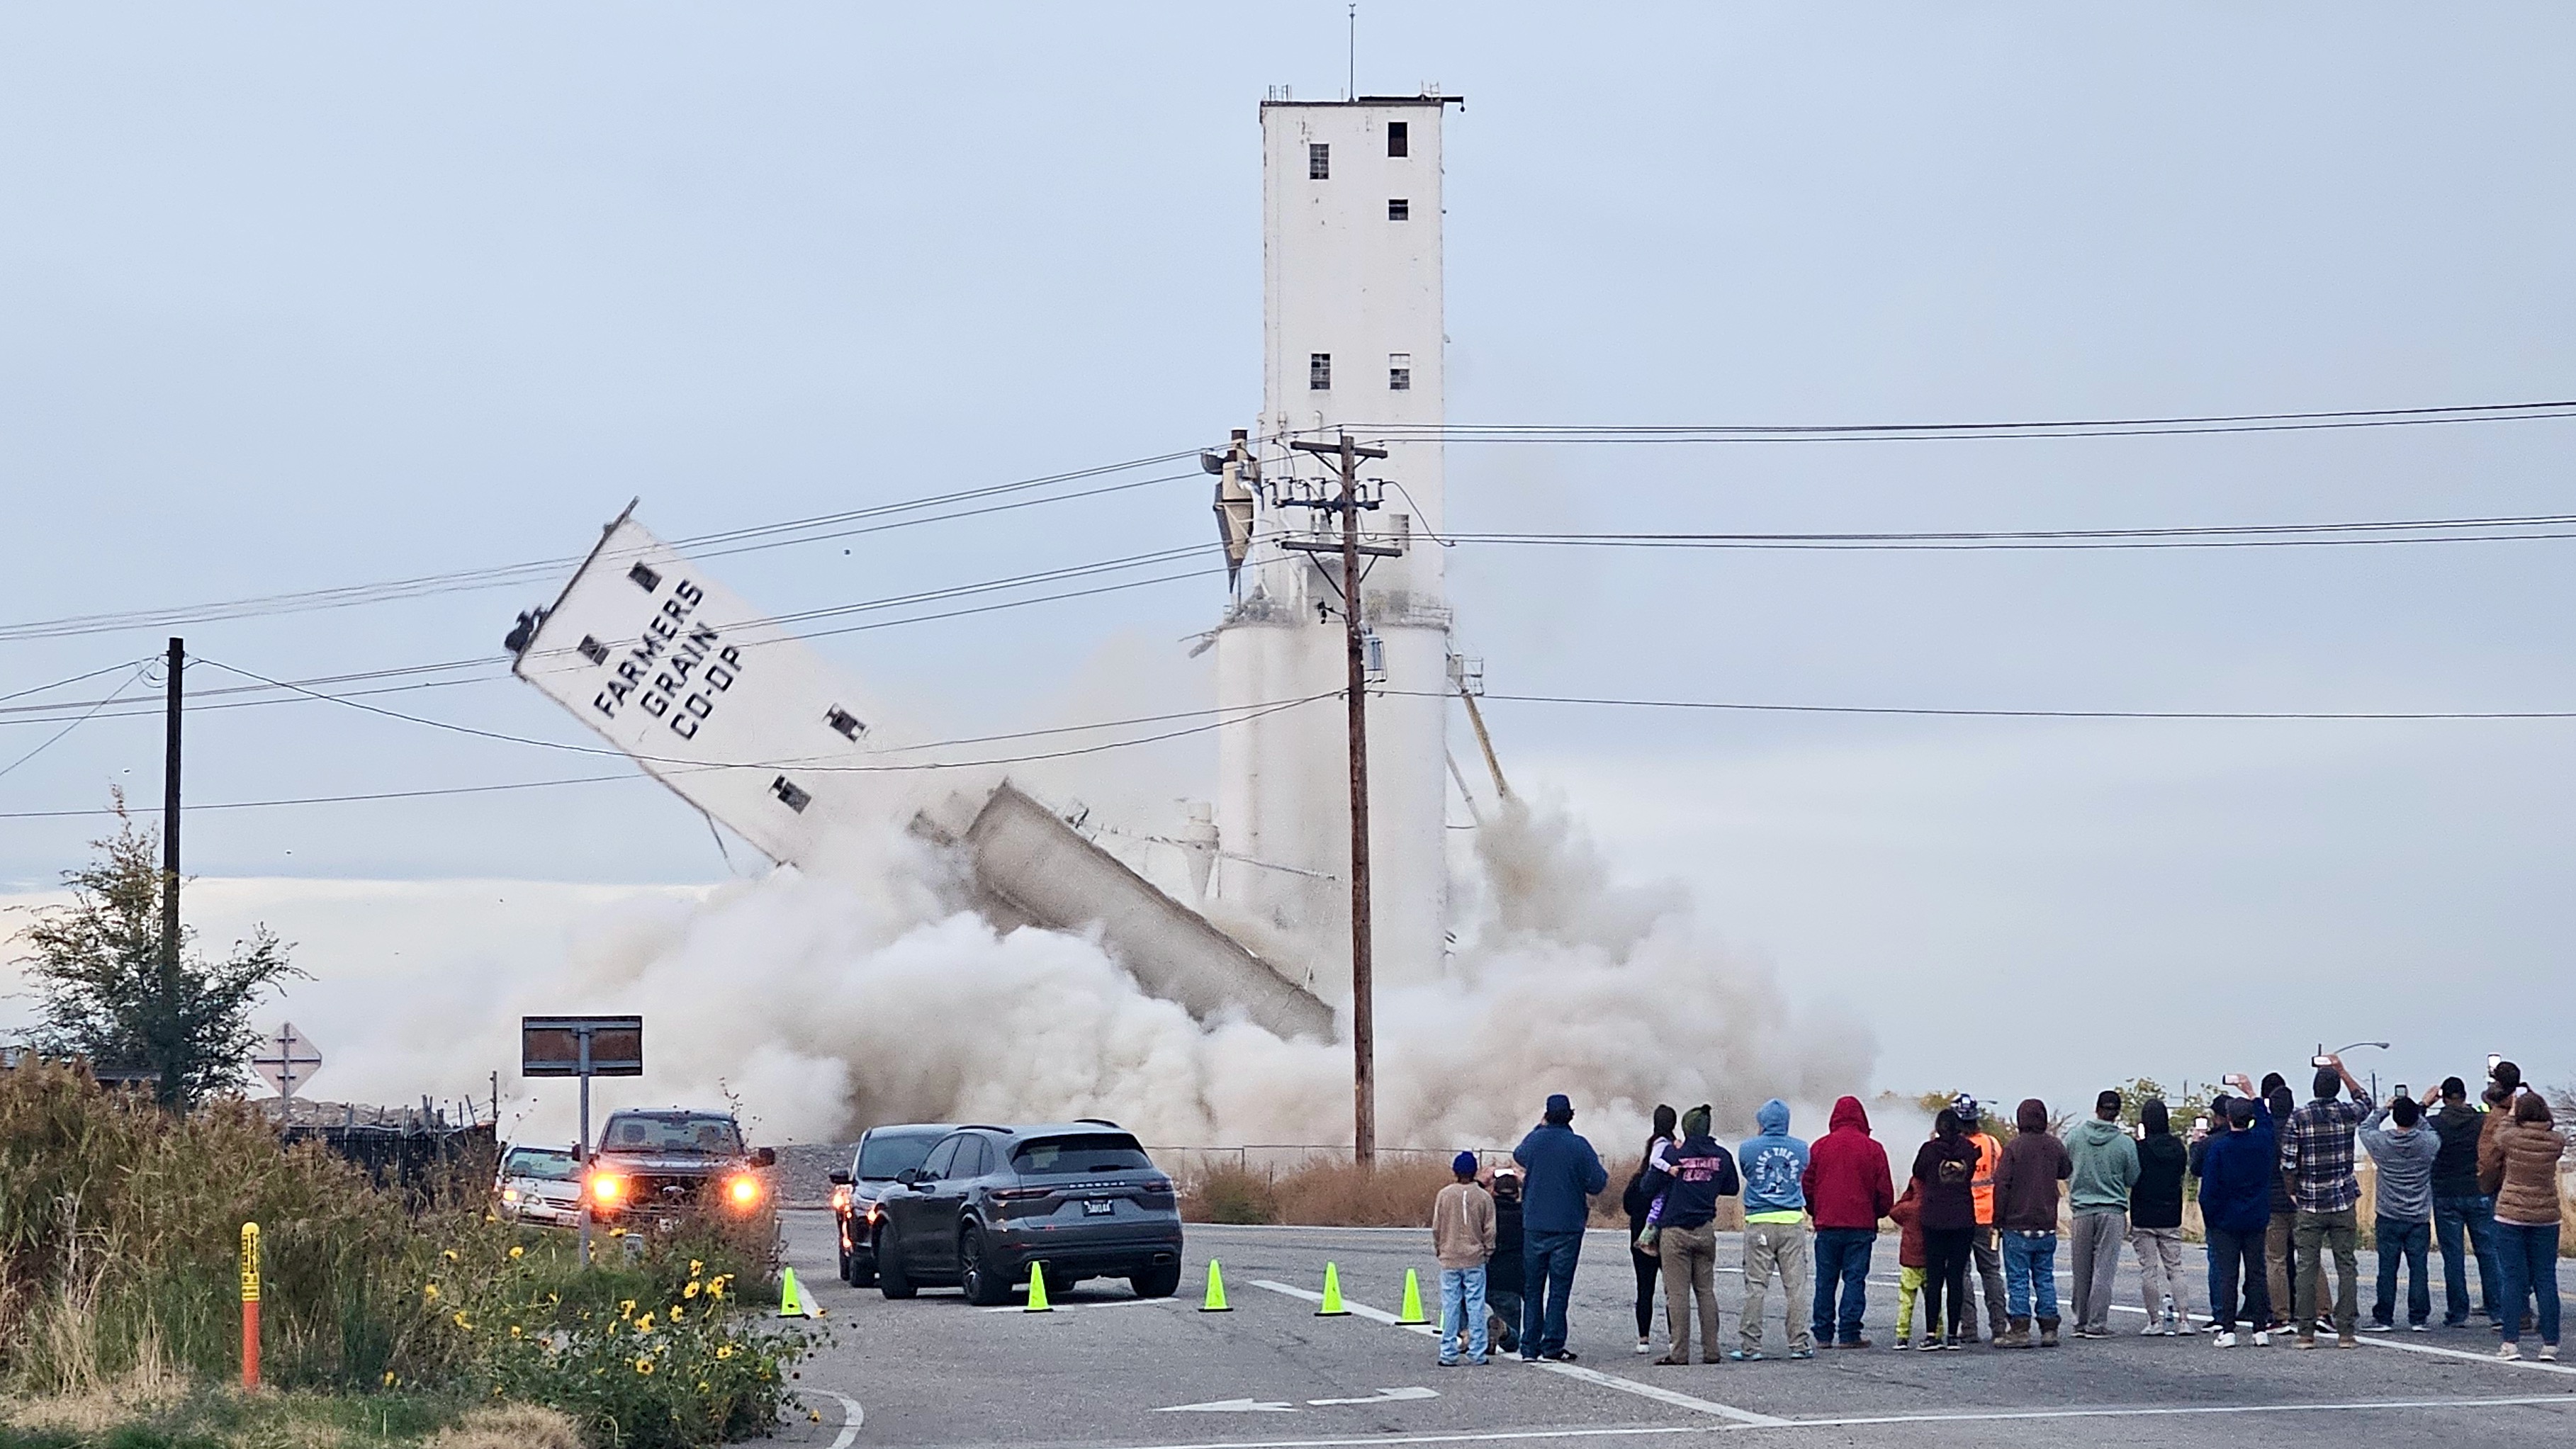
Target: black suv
883, 1154
1082, 1198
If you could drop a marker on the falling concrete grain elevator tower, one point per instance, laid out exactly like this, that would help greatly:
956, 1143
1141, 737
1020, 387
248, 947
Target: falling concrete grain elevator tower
1351, 339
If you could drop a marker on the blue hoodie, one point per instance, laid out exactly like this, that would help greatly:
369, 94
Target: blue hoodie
1563, 1173
1773, 1163
2236, 1174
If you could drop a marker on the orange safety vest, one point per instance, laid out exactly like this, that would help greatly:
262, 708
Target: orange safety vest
1982, 1186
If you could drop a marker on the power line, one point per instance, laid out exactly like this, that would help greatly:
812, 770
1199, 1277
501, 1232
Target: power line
62, 683
57, 735
1929, 432
716, 545
1966, 713
2284, 535
1233, 718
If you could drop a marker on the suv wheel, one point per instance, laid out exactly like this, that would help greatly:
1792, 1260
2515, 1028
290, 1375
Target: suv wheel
892, 1281
1160, 1282
986, 1282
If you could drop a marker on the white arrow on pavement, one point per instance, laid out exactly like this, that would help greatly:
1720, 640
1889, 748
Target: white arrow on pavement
1228, 1406
1386, 1396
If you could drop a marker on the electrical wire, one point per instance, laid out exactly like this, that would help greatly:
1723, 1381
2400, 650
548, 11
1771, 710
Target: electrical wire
1929, 432
52, 739
714, 545
1235, 718
62, 683
1963, 713
2283, 535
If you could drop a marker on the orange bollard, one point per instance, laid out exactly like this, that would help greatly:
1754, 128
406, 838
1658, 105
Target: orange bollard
250, 1305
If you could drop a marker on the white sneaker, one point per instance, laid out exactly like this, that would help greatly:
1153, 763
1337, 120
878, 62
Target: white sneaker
2419, 1328
2261, 1339
2549, 1353
1644, 1347
2151, 1330
2509, 1352
2224, 1340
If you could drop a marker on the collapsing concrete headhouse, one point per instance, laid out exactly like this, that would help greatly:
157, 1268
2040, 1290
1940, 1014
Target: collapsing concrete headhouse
750, 725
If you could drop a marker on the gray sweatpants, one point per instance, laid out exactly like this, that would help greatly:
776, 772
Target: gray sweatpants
2097, 1235
2160, 1272
1776, 1248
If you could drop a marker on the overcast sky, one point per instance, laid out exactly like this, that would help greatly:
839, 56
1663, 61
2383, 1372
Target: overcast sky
301, 296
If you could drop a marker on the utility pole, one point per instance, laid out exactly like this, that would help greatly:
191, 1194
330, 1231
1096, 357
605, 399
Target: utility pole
1347, 456
167, 1025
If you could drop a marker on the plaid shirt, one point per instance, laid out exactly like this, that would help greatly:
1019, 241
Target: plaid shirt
2316, 1151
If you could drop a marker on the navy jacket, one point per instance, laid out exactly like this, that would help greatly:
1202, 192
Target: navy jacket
2237, 1173
1702, 1173
1563, 1174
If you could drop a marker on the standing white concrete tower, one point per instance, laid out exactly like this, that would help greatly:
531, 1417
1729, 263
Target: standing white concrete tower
1351, 338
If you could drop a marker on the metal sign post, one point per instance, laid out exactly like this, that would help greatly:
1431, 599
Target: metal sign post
291, 1060
584, 1047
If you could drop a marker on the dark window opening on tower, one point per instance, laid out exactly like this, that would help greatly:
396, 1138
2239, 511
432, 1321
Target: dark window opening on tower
1319, 372
1399, 209
1399, 371
1319, 162
1399, 139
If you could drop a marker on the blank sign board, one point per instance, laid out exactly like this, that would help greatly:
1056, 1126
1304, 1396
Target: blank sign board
550, 1046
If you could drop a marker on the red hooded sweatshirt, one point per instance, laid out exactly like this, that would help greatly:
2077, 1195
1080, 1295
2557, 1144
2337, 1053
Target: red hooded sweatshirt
1847, 1181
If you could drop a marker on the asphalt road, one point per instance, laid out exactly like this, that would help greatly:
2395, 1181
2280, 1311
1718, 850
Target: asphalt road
1109, 1369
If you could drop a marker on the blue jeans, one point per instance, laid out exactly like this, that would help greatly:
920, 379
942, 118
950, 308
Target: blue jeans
2529, 1257
2475, 1215
2402, 1241
1842, 1261
2229, 1255
2030, 1273
1462, 1303
1547, 1280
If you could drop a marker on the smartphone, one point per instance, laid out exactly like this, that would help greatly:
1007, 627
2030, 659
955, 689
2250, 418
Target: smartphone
2494, 1060
2401, 1090
2200, 1125
2329, 1061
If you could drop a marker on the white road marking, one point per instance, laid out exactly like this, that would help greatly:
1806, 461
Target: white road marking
853, 1418
2168, 1411
1231, 1406
2368, 1340
1656, 1392
1387, 1396
1642, 1431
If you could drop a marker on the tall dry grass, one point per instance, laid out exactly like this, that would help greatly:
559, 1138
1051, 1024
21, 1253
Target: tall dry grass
1316, 1194
120, 1230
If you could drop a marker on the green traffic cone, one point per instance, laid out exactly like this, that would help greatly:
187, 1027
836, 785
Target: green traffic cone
1037, 1290
1332, 1307
1215, 1291
791, 1304
1412, 1299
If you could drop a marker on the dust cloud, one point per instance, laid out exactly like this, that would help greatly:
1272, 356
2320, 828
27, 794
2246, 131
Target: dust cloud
852, 994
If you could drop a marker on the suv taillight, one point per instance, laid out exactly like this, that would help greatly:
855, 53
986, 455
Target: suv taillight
1019, 1194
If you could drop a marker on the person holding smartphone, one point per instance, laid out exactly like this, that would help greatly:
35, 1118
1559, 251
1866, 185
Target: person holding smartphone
2317, 1152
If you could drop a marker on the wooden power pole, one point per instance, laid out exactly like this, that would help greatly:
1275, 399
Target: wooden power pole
166, 1027
1346, 456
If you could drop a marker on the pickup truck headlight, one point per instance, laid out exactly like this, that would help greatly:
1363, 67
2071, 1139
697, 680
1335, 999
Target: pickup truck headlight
743, 1190
607, 1189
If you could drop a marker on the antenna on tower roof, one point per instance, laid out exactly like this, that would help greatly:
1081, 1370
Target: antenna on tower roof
1351, 77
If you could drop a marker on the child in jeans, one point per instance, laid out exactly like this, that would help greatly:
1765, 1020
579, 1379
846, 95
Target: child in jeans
1462, 1238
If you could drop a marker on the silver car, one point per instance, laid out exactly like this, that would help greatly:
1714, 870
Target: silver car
540, 1185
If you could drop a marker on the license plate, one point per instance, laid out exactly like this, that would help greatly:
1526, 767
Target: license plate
1098, 1207
669, 1224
